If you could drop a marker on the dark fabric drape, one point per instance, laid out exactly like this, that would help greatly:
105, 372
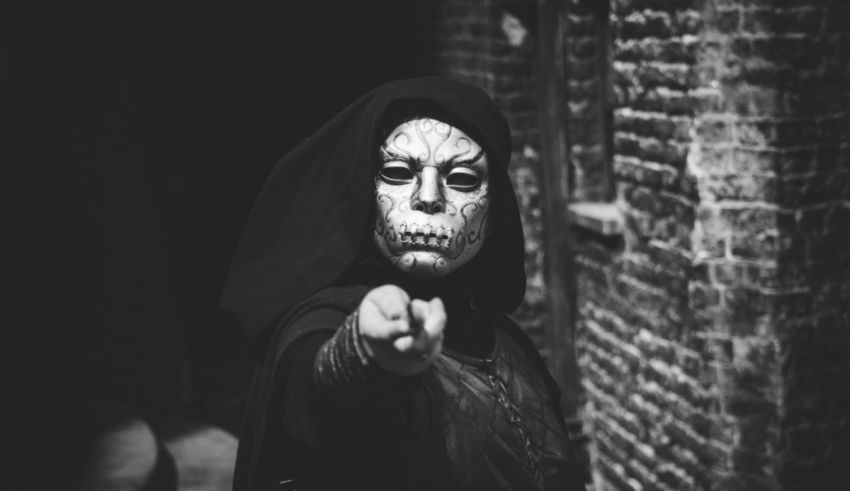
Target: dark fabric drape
308, 224
306, 250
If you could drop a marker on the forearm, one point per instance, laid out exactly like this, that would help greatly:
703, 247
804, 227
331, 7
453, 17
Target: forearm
342, 361
334, 398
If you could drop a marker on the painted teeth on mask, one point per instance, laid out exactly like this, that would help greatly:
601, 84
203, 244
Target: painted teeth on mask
425, 235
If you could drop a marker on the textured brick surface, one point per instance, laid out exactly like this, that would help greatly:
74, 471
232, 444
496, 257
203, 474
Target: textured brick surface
771, 233
472, 45
652, 393
714, 335
586, 65
714, 339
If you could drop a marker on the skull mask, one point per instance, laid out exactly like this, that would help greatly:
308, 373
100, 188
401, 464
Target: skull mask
432, 198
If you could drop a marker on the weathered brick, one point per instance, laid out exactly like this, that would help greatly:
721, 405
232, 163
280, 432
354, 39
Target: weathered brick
749, 274
742, 187
658, 204
651, 149
584, 112
715, 64
767, 160
677, 76
726, 20
579, 18
801, 20
673, 50
674, 102
702, 296
585, 130
770, 162
647, 173
622, 6
756, 244
714, 129
584, 48
658, 125
587, 89
687, 22
653, 347
749, 100
582, 69
774, 133
808, 189
715, 158
780, 50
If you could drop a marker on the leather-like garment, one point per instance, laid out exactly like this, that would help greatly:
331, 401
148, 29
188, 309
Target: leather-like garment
500, 428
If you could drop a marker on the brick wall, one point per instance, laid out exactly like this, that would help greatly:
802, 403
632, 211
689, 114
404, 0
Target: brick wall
713, 335
713, 338
772, 162
587, 68
492, 44
650, 395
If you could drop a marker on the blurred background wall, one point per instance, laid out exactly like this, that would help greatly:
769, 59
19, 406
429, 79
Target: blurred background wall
685, 188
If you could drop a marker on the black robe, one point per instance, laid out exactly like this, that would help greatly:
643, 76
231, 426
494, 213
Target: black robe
305, 262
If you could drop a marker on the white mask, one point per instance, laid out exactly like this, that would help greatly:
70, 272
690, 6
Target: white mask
432, 198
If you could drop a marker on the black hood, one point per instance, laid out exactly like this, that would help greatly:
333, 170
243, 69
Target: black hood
311, 224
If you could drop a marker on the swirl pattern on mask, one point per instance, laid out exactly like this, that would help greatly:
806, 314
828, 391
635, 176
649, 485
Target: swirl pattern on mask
443, 172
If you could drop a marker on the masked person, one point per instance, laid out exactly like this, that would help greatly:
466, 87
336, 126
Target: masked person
375, 273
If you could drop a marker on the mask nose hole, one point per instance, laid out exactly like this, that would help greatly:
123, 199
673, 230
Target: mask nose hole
429, 206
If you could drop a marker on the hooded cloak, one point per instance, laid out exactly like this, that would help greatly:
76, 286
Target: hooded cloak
306, 250
309, 222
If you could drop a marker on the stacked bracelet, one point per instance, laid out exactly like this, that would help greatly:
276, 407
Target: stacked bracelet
343, 359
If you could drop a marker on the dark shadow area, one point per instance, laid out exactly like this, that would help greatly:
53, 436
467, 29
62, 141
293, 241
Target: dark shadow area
148, 133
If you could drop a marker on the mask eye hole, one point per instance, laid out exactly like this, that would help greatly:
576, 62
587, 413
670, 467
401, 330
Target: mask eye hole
463, 179
396, 173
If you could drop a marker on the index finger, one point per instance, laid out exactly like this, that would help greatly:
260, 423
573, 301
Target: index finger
435, 318
417, 312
